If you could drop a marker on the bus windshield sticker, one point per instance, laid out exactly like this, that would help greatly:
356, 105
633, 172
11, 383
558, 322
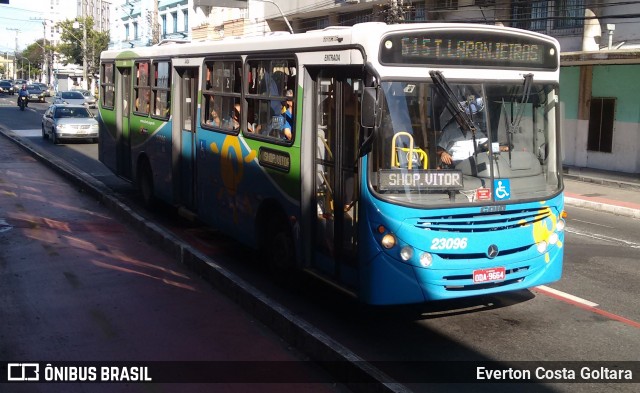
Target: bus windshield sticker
274, 159
419, 179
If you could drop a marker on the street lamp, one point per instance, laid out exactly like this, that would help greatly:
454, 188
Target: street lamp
77, 24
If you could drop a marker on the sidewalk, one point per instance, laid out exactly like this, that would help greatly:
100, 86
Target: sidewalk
613, 192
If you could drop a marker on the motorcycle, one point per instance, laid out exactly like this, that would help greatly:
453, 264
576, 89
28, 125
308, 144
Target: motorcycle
23, 102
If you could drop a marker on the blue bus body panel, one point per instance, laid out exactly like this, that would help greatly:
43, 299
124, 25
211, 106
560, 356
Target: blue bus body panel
233, 186
458, 240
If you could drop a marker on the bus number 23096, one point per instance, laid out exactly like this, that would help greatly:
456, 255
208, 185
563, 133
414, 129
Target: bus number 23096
443, 243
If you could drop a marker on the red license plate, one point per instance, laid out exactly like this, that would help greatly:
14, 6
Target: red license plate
487, 275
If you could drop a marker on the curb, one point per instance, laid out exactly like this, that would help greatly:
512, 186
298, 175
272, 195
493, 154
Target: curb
604, 182
619, 210
349, 369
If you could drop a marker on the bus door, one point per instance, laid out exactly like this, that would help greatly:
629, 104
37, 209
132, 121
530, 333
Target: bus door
336, 176
123, 134
186, 117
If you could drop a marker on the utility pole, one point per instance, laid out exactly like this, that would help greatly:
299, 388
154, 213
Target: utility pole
15, 54
84, 44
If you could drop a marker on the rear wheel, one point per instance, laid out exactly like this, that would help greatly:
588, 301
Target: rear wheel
281, 256
145, 183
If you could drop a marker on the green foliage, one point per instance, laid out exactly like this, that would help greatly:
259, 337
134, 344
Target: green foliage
71, 46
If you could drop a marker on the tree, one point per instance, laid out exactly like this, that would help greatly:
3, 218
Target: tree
71, 46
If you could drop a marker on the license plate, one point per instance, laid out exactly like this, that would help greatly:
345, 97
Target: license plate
487, 275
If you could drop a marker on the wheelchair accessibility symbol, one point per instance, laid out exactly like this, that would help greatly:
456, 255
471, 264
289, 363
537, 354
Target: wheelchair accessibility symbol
502, 189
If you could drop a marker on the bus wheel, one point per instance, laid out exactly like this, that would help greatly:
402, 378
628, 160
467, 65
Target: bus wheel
280, 252
145, 183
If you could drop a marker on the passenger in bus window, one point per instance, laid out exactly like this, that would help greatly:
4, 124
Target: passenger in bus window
252, 120
142, 102
213, 118
287, 115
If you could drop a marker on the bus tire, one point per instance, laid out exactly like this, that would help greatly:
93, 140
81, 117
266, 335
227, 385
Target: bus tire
281, 255
145, 183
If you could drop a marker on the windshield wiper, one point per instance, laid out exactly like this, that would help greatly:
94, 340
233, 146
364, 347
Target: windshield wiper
453, 105
515, 123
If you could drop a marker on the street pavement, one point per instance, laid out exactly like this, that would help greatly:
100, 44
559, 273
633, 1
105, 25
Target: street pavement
80, 284
32, 196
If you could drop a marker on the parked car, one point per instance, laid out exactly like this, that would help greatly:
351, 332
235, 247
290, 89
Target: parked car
89, 99
62, 121
69, 97
6, 87
45, 88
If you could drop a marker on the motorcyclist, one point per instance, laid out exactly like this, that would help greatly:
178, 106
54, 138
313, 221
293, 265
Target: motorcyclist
23, 92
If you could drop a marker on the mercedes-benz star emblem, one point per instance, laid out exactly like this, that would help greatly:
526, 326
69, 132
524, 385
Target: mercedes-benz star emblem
492, 252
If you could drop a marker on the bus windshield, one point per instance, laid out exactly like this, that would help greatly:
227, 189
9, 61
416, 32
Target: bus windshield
447, 143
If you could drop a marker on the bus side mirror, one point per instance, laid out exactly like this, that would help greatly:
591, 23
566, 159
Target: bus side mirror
368, 113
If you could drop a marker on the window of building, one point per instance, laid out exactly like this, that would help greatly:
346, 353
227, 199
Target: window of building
185, 19
271, 98
164, 25
126, 31
416, 13
601, 122
142, 89
221, 95
174, 18
484, 3
162, 89
530, 15
135, 31
568, 14
446, 5
107, 85
356, 17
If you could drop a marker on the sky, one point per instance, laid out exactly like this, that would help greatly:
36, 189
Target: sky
19, 14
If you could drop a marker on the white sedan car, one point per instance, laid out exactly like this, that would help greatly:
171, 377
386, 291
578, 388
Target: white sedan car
89, 99
69, 97
63, 121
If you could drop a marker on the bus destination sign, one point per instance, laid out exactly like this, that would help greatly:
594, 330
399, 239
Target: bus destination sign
419, 179
466, 48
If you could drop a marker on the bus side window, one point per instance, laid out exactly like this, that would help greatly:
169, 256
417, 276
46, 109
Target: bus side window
271, 98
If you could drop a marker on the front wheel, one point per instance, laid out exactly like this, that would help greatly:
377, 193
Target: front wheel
54, 137
44, 133
281, 256
145, 183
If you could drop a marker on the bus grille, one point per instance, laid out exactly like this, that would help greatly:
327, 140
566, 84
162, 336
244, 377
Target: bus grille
483, 222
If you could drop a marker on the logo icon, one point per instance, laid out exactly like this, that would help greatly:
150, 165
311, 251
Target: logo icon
502, 189
23, 372
493, 251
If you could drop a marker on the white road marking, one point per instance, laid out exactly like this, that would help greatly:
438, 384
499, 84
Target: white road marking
567, 296
592, 223
31, 132
604, 238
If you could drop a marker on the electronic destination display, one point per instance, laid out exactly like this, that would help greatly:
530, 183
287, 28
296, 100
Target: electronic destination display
468, 48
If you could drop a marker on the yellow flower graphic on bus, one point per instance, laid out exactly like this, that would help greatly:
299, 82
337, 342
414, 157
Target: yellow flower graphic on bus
231, 169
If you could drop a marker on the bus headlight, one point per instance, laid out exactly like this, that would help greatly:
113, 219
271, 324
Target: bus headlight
560, 225
406, 253
553, 238
388, 241
542, 247
425, 259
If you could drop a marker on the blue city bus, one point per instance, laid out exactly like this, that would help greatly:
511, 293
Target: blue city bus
400, 163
